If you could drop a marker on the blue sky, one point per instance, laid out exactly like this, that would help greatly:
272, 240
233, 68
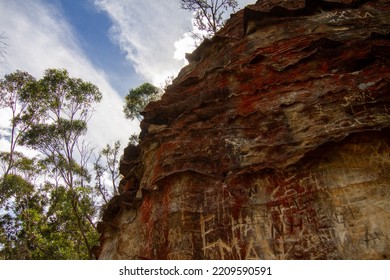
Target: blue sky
115, 44
91, 27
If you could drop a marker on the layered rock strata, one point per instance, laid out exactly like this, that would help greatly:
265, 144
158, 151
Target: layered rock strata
273, 143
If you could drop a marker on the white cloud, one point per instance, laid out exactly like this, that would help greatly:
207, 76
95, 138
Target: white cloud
147, 31
155, 35
39, 38
189, 40
184, 45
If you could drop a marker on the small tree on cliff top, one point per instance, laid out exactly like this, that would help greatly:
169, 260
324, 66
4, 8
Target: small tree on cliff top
209, 14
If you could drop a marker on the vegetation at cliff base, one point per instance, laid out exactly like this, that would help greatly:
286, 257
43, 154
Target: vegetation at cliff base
48, 204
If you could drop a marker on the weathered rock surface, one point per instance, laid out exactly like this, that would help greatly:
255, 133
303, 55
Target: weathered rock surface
273, 143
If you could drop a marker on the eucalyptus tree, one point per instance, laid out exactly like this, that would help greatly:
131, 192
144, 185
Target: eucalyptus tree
67, 105
37, 221
46, 204
137, 99
23, 215
15, 99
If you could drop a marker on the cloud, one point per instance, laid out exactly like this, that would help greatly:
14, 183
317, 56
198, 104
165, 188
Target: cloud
38, 38
147, 31
155, 35
184, 45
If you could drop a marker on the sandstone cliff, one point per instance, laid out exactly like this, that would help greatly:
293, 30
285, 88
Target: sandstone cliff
273, 143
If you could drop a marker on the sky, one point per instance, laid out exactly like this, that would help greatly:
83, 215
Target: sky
115, 44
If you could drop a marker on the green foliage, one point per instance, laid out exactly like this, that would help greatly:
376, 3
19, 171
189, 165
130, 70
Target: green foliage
47, 206
138, 98
24, 167
39, 223
12, 88
23, 214
48, 137
63, 96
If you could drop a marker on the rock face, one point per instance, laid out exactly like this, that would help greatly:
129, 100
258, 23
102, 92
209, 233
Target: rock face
273, 143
